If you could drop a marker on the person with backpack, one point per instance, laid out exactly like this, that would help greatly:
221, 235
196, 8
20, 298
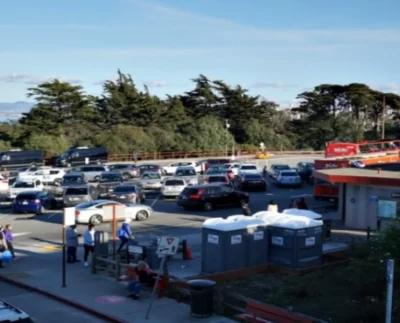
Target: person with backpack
124, 233
3, 244
9, 238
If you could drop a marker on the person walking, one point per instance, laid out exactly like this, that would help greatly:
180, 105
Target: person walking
293, 204
9, 239
246, 209
272, 207
124, 233
301, 205
72, 236
3, 244
88, 243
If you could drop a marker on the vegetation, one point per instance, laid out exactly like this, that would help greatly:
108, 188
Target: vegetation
348, 294
126, 119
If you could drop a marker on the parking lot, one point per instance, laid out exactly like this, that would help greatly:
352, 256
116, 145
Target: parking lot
44, 231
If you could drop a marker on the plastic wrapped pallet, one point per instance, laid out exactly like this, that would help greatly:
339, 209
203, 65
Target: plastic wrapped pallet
306, 213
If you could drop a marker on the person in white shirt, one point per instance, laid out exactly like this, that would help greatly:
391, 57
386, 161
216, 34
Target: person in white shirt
88, 242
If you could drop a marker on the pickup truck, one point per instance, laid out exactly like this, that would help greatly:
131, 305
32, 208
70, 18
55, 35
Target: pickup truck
19, 187
47, 176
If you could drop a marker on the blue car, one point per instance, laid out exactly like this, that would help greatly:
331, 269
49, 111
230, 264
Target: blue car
33, 202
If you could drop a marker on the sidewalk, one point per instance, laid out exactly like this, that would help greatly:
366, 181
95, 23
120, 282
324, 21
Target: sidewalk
94, 292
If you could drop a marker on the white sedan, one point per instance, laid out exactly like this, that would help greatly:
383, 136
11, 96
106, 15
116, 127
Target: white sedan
92, 212
171, 168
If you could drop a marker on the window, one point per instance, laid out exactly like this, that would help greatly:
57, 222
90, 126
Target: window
151, 176
288, 174
186, 172
125, 189
105, 204
39, 173
227, 189
26, 197
174, 183
110, 178
72, 179
175, 165
249, 167
214, 190
255, 176
217, 179
54, 172
24, 185
76, 191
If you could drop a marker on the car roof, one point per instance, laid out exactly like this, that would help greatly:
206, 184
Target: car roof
217, 175
288, 171
111, 173
248, 165
79, 186
30, 192
75, 174
207, 185
185, 167
148, 165
151, 172
275, 165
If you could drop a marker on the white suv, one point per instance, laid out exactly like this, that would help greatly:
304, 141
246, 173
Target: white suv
247, 169
171, 168
46, 176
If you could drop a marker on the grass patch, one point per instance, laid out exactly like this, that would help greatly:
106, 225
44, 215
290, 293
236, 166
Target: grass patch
352, 293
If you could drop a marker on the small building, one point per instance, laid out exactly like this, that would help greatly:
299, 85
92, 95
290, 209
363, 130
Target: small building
367, 198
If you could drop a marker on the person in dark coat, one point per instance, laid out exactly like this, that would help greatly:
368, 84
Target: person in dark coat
246, 209
301, 205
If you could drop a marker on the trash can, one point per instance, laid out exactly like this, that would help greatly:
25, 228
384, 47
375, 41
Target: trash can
201, 294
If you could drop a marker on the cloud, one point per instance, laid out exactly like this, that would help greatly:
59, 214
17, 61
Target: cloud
34, 80
223, 26
391, 88
276, 85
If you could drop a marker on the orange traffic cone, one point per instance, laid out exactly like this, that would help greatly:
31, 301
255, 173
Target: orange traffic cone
188, 254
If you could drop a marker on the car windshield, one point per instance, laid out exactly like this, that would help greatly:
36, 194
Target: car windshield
287, 174
110, 178
72, 179
185, 172
26, 197
125, 189
226, 166
281, 167
86, 205
253, 176
249, 167
24, 185
216, 179
174, 182
151, 176
76, 191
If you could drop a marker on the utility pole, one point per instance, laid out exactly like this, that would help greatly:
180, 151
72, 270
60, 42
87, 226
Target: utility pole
383, 117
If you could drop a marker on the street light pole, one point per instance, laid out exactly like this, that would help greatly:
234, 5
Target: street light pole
383, 117
227, 125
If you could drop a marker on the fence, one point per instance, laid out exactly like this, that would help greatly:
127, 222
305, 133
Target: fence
199, 154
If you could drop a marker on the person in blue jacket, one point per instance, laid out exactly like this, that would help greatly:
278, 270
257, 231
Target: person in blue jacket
124, 233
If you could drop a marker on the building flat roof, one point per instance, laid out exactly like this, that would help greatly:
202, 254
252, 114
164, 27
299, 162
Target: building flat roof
359, 176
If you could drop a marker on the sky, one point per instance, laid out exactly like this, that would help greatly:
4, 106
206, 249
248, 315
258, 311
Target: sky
276, 49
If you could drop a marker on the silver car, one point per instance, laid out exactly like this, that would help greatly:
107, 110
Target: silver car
92, 172
172, 187
75, 195
188, 174
288, 178
150, 180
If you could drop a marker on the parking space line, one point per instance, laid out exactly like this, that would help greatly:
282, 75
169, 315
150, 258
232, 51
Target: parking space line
155, 200
51, 215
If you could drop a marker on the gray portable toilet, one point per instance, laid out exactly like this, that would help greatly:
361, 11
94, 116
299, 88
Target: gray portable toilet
224, 244
295, 242
101, 243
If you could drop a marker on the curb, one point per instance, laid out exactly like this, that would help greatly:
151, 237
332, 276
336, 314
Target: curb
69, 302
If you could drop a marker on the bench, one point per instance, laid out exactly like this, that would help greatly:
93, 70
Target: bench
264, 313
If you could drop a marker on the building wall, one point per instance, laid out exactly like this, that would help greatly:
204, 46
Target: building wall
361, 204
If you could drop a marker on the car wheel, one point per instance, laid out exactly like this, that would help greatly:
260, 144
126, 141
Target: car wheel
126, 177
96, 179
208, 206
96, 219
142, 215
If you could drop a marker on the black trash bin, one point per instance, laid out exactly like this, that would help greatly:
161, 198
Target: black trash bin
201, 292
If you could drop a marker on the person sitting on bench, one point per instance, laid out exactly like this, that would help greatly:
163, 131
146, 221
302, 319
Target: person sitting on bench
143, 274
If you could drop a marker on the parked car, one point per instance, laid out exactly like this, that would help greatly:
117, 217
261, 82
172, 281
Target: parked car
210, 196
92, 212
128, 194
19, 187
26, 170
10, 314
33, 202
234, 167
150, 180
80, 155
252, 182
187, 173
153, 168
217, 179
92, 172
207, 163
128, 171
108, 181
288, 178
171, 168
4, 184
75, 195
45, 175
247, 169
216, 170
20, 158
172, 187
275, 168
73, 178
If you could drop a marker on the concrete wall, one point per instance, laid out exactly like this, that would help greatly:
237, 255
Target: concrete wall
361, 211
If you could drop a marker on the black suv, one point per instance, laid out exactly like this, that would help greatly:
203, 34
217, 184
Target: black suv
211, 196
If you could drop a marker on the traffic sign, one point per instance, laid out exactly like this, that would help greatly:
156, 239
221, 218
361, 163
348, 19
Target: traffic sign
168, 246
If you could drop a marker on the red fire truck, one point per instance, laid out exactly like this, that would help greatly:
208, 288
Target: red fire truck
325, 190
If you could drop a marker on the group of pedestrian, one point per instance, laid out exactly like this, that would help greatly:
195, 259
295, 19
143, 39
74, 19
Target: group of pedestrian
6, 241
72, 241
